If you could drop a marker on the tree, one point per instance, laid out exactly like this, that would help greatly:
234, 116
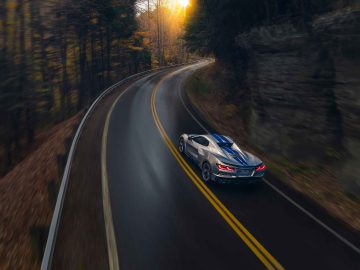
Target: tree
55, 57
214, 25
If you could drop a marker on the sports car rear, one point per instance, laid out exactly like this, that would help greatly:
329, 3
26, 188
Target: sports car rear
238, 174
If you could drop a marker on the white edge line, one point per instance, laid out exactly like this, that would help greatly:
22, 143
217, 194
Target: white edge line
190, 113
341, 238
55, 221
302, 209
192, 116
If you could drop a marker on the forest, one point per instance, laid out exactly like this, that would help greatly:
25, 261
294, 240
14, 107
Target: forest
55, 58
210, 31
163, 22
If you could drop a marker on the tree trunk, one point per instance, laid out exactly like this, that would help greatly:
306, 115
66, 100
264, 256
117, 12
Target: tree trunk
3, 26
267, 11
44, 66
82, 60
65, 80
23, 97
158, 32
108, 55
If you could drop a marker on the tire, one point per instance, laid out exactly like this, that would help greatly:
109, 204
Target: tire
181, 146
206, 172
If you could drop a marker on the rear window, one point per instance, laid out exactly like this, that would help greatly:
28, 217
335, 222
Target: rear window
221, 144
202, 141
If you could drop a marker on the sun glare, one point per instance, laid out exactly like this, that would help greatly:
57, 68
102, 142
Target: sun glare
177, 4
183, 3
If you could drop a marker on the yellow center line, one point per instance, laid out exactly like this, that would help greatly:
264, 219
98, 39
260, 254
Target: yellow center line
262, 254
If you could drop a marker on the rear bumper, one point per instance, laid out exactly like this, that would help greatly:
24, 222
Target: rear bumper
233, 179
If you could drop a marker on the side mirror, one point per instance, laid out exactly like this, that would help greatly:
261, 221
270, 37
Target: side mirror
190, 138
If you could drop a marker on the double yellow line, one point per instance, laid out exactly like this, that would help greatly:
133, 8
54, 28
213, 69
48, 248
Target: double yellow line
263, 255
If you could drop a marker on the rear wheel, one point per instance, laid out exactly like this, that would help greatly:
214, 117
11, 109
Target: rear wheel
181, 145
206, 172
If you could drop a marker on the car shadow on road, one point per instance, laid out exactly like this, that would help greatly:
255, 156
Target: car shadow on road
236, 187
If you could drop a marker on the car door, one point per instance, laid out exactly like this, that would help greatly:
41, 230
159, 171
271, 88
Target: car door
201, 144
190, 148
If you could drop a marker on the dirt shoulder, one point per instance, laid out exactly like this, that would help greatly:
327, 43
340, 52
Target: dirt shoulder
207, 94
27, 197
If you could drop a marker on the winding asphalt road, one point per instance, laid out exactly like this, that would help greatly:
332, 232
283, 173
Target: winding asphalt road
163, 217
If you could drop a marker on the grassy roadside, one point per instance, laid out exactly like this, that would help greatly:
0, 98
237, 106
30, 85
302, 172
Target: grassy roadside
27, 197
207, 91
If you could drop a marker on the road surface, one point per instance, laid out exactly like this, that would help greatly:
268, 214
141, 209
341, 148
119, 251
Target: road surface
163, 218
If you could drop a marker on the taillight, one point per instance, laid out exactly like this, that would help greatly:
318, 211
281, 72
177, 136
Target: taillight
225, 168
260, 168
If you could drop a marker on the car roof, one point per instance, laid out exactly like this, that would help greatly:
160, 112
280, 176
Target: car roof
216, 138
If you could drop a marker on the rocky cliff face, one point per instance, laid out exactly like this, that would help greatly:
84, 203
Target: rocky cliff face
305, 89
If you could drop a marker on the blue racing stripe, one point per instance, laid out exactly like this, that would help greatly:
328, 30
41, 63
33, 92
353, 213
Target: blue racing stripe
217, 138
229, 150
242, 155
224, 139
241, 161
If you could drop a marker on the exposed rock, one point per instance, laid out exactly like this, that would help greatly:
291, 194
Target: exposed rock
344, 47
305, 90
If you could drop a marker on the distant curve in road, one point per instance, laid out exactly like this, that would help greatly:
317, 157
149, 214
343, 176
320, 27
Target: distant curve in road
162, 220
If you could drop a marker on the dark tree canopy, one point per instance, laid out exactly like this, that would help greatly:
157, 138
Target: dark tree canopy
55, 57
214, 24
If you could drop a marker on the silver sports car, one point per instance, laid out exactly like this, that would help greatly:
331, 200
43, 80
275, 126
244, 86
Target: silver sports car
220, 159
